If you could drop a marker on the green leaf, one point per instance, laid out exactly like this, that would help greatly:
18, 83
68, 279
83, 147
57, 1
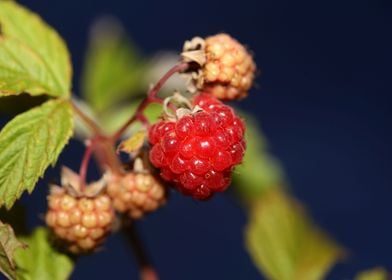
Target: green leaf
8, 246
33, 57
113, 68
41, 260
29, 144
259, 170
377, 273
283, 242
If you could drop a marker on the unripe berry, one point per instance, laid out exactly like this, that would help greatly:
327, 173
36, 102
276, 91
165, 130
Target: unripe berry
81, 223
136, 193
197, 152
226, 68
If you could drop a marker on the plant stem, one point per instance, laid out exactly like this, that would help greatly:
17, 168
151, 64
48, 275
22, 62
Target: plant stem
85, 161
151, 98
147, 271
107, 157
103, 148
87, 120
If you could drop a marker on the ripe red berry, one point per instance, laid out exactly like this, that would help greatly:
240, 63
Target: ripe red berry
80, 223
197, 152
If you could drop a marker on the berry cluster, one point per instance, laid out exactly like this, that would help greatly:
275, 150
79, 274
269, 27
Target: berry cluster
81, 223
229, 70
198, 151
225, 68
195, 150
136, 193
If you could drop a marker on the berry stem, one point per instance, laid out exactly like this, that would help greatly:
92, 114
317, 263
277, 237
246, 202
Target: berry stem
107, 157
100, 144
151, 98
147, 271
85, 162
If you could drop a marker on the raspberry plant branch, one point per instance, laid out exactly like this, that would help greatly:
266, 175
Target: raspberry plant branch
151, 98
147, 272
94, 127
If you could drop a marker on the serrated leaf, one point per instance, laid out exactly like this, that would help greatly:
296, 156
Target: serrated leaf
113, 68
41, 260
29, 144
259, 169
377, 273
133, 143
33, 57
8, 245
283, 242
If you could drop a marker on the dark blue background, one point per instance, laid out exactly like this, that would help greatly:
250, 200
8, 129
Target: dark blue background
324, 101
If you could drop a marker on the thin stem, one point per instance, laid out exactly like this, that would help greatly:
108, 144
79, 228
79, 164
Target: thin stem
85, 162
175, 69
147, 271
151, 98
87, 120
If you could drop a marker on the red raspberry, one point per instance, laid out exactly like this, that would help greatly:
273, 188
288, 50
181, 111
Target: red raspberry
136, 193
198, 151
80, 223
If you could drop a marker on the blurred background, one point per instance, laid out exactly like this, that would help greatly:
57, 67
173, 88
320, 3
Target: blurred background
323, 99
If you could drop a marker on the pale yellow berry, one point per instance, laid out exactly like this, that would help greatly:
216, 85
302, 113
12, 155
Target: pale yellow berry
102, 203
89, 220
226, 67
75, 216
138, 198
157, 192
86, 243
61, 232
143, 183
54, 202
50, 219
86, 205
104, 219
67, 203
63, 219
119, 205
79, 231
132, 193
96, 233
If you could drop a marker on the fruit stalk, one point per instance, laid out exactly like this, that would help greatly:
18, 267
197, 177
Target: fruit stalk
85, 162
147, 271
151, 98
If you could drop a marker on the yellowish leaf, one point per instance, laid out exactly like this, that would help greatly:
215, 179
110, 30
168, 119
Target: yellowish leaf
283, 242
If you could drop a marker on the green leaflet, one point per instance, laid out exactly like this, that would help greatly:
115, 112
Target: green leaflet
29, 144
33, 57
113, 69
283, 242
41, 260
8, 245
377, 273
259, 170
